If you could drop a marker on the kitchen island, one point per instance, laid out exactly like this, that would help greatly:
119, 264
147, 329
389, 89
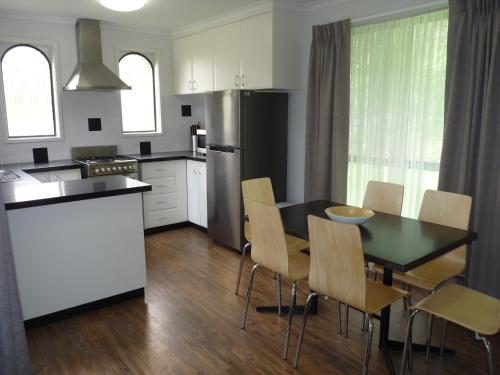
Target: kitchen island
76, 244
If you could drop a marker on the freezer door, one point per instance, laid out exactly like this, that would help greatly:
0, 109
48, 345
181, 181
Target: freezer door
222, 118
224, 197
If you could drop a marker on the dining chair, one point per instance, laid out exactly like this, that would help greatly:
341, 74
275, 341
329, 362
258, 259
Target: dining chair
276, 251
260, 190
337, 270
382, 197
465, 307
452, 210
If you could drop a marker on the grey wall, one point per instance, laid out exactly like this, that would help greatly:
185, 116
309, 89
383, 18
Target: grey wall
356, 10
76, 107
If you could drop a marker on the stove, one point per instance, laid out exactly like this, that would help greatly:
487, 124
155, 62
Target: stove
104, 161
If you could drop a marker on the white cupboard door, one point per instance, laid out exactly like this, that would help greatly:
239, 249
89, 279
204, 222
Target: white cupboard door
181, 49
203, 61
256, 52
227, 56
193, 188
202, 169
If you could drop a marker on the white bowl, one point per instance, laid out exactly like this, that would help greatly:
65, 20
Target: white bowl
349, 214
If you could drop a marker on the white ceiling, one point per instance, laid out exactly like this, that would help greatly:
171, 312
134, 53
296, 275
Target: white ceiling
157, 14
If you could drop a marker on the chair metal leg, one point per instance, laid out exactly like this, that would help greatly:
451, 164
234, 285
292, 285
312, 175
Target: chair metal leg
242, 260
429, 338
375, 274
339, 316
408, 342
279, 295
368, 345
443, 337
489, 354
290, 317
363, 322
302, 328
249, 291
346, 332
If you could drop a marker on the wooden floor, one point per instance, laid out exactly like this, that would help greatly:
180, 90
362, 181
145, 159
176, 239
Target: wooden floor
189, 324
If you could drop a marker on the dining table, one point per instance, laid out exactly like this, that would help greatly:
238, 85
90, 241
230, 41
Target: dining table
394, 242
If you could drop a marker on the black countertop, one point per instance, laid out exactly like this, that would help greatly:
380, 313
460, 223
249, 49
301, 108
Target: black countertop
40, 194
172, 155
42, 167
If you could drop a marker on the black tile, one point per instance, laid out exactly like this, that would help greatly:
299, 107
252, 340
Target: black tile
186, 110
40, 155
95, 125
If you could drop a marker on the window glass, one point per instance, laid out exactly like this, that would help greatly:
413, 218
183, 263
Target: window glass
138, 104
28, 92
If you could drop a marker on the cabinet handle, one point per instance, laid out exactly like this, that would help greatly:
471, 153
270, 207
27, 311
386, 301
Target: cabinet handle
161, 202
189, 85
195, 85
243, 84
236, 78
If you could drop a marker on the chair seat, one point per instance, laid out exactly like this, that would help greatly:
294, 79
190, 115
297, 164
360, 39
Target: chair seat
428, 275
379, 296
463, 306
298, 263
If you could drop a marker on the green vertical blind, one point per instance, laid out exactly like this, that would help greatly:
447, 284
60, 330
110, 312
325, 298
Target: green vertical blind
398, 73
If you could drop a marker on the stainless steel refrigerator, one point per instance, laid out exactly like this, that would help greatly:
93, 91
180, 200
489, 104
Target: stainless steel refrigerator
246, 138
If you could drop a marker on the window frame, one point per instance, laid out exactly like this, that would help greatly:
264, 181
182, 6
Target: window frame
48, 49
151, 59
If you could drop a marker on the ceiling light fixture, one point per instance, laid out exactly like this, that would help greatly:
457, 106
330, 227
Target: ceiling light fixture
123, 5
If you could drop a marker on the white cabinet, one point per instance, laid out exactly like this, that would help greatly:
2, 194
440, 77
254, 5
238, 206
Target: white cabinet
193, 63
227, 56
58, 175
197, 192
166, 203
256, 52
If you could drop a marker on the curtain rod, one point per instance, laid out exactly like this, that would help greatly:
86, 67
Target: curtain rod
404, 13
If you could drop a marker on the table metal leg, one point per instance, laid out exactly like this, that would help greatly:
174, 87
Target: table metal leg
383, 342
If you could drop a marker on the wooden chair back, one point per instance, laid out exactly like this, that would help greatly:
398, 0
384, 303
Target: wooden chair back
268, 237
384, 197
450, 209
337, 261
259, 190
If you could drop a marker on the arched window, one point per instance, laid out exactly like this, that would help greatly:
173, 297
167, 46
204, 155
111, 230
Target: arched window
29, 92
139, 113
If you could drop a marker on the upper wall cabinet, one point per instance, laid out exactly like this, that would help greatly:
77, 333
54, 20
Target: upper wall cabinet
193, 63
259, 52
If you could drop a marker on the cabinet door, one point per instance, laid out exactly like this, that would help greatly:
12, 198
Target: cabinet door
193, 189
202, 175
256, 52
203, 61
182, 57
227, 56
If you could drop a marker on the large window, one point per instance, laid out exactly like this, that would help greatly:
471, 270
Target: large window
398, 73
28, 91
139, 110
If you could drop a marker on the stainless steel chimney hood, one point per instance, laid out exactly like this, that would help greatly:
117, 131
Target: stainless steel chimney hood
90, 73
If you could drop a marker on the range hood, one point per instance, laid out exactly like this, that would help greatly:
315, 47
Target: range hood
90, 73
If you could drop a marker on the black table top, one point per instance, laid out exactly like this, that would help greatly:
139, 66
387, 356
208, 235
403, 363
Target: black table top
395, 242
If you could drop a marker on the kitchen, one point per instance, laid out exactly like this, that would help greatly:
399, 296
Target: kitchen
155, 117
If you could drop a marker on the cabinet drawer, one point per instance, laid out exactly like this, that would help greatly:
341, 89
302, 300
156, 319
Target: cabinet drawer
161, 186
158, 169
159, 218
160, 202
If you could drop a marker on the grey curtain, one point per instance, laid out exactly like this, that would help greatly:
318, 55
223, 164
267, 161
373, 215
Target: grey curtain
470, 162
14, 359
327, 122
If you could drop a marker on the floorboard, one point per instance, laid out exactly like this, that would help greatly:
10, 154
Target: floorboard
188, 323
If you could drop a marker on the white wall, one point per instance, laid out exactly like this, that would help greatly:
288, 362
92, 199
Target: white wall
355, 10
77, 107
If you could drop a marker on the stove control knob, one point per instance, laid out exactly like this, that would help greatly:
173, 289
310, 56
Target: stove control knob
119, 168
125, 167
108, 169
114, 168
96, 170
